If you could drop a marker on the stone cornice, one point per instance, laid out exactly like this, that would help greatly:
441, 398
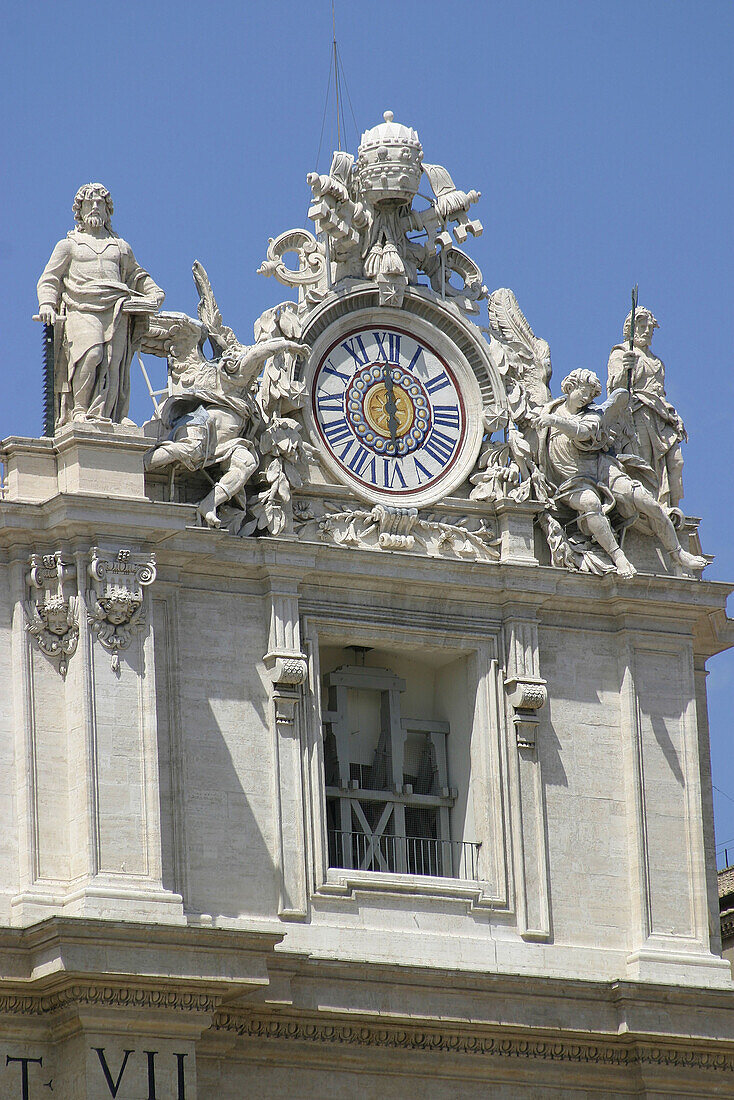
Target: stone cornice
623, 1054
112, 933
68, 515
311, 1029
82, 995
424, 979
542, 1040
47, 959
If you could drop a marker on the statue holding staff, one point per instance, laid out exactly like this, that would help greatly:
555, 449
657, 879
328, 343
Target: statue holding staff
577, 458
95, 288
658, 429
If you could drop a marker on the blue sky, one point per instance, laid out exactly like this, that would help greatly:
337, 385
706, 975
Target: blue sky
600, 136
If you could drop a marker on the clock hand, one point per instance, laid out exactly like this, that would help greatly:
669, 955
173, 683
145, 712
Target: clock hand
390, 407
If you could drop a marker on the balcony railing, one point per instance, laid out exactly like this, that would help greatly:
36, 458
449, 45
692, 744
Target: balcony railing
411, 855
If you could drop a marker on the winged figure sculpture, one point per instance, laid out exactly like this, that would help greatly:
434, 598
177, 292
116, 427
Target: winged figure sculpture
217, 406
521, 356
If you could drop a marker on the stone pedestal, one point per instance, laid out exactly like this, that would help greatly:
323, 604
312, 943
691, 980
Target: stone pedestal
85, 457
515, 521
30, 468
104, 458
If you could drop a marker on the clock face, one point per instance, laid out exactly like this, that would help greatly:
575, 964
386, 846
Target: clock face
389, 413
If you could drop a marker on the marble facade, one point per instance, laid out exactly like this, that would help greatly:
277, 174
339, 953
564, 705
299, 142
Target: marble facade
164, 869
181, 916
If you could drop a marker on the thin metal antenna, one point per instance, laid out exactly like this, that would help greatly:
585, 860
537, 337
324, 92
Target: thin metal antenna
323, 117
345, 87
336, 78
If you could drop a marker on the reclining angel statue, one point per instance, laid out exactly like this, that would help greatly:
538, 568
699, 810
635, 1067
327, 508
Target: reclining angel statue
577, 457
566, 453
216, 410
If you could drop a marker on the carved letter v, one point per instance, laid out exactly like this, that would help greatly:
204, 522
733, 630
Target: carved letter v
113, 1086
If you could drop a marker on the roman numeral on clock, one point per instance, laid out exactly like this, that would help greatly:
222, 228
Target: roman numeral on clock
392, 353
421, 469
337, 430
438, 382
357, 350
330, 402
446, 415
416, 356
439, 446
360, 459
391, 473
328, 369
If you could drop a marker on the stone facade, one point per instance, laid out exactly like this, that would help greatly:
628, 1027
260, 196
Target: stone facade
343, 793
174, 808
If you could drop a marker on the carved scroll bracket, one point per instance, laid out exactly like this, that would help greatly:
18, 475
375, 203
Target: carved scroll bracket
527, 696
450, 262
525, 687
285, 661
52, 613
116, 599
311, 270
286, 668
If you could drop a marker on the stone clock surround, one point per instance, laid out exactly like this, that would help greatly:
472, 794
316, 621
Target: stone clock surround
349, 314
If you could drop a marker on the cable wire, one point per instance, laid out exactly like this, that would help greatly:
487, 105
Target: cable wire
326, 107
349, 98
336, 65
722, 792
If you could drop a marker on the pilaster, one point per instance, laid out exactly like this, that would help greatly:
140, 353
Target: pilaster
526, 694
669, 939
86, 742
287, 666
45, 642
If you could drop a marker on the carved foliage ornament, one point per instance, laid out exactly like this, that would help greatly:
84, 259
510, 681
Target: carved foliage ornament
52, 617
116, 599
390, 528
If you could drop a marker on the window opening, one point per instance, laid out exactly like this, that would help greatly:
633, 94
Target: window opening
388, 799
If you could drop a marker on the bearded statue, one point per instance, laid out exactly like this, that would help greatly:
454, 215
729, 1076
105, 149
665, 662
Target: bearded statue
99, 299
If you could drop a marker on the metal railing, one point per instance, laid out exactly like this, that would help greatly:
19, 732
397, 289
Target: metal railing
411, 855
